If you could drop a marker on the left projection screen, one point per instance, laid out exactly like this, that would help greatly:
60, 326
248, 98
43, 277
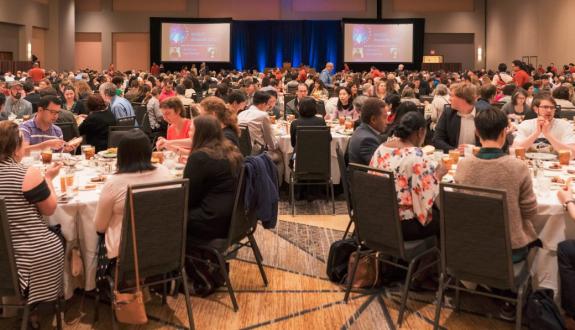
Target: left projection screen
196, 42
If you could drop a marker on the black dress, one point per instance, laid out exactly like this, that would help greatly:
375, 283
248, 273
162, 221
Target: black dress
95, 128
211, 199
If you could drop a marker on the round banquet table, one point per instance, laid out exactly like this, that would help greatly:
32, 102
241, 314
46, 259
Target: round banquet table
553, 225
76, 218
284, 141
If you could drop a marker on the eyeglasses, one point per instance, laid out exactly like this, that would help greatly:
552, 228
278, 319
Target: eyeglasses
547, 107
53, 112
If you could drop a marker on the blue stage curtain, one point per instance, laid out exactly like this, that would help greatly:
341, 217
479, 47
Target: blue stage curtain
261, 44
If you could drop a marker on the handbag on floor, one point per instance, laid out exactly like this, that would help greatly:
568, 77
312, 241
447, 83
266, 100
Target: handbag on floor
368, 273
129, 307
338, 259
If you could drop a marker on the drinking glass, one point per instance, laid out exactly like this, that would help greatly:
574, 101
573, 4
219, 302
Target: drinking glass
88, 151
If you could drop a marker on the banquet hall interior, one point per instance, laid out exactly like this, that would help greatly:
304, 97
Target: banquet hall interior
287, 164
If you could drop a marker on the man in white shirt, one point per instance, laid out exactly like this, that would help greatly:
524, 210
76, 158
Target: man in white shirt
545, 133
261, 132
257, 119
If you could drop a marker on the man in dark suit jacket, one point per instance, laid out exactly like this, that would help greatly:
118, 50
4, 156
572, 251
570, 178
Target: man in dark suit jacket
448, 132
292, 107
367, 137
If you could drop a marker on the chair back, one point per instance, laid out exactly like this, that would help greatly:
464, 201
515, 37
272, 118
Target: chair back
245, 141
160, 215
421, 109
68, 132
145, 125
475, 243
187, 112
244, 221
288, 98
320, 106
313, 153
566, 113
499, 105
126, 121
8, 273
331, 92
140, 111
376, 210
344, 174
116, 133
427, 98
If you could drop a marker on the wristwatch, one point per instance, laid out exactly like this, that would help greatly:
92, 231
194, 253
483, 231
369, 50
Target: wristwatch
567, 203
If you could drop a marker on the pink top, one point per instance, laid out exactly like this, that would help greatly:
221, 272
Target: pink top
164, 95
183, 134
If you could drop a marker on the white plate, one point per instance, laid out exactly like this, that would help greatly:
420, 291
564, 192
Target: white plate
104, 154
540, 156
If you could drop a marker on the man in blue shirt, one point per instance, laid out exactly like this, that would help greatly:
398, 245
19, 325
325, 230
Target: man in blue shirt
120, 107
325, 75
41, 132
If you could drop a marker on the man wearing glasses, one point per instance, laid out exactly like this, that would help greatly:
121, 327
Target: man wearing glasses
545, 133
40, 132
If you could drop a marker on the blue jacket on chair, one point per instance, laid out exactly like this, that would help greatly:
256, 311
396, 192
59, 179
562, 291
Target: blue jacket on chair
262, 191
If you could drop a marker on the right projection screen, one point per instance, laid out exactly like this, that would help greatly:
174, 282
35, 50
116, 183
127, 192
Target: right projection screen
373, 43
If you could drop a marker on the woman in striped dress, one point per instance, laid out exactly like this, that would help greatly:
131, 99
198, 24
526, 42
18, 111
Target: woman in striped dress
39, 253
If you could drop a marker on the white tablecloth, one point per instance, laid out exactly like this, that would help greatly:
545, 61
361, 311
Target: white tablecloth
336, 139
553, 225
77, 220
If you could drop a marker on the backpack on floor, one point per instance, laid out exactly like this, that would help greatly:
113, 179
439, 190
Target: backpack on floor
338, 258
541, 311
204, 275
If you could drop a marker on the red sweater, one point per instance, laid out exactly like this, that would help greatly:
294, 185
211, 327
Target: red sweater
520, 78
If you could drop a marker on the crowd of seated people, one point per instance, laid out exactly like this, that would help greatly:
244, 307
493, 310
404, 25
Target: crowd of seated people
491, 109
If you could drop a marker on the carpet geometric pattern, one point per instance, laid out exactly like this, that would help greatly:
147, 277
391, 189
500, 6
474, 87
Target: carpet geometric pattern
298, 296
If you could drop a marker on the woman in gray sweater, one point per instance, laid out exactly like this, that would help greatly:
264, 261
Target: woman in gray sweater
492, 168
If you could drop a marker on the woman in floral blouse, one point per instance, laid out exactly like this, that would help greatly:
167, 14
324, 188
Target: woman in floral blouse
416, 177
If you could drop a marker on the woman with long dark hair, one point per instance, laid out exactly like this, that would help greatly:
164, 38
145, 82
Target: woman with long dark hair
212, 168
134, 166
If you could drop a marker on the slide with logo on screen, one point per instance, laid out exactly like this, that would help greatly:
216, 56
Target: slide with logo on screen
196, 42
378, 43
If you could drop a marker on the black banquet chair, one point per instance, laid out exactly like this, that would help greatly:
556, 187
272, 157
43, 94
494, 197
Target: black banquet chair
245, 141
140, 111
378, 227
476, 245
312, 164
116, 133
68, 132
9, 286
126, 121
567, 113
242, 226
344, 174
160, 235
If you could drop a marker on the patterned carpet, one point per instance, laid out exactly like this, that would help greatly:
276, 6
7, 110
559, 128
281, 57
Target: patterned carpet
299, 296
